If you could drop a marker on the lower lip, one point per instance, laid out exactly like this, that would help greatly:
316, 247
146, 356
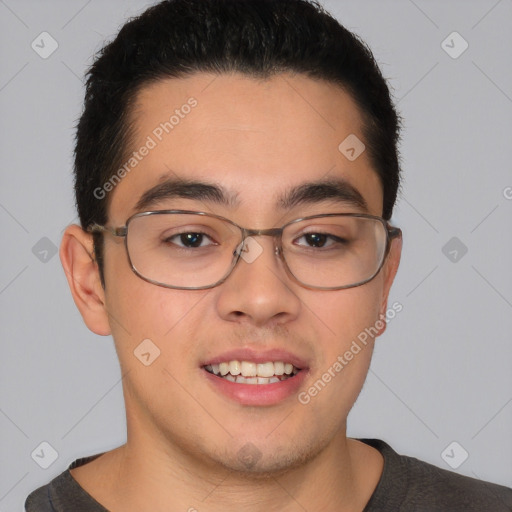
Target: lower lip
257, 394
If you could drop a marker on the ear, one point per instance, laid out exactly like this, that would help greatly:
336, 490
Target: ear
389, 271
77, 257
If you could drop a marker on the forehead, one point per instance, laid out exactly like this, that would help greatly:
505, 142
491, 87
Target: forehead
255, 138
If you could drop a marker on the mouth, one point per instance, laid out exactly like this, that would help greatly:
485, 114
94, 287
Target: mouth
249, 372
256, 378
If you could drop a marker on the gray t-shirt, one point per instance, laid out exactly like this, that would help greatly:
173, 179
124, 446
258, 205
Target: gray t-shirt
406, 485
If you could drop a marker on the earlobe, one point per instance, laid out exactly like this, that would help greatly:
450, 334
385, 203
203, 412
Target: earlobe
76, 255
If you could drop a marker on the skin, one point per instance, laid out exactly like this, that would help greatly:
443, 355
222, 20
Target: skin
258, 139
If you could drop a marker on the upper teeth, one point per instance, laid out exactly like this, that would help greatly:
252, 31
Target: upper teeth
249, 369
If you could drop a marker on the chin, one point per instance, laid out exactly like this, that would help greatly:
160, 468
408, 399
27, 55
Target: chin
263, 460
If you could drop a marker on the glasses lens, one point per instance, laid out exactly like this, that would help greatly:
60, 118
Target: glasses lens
182, 250
334, 251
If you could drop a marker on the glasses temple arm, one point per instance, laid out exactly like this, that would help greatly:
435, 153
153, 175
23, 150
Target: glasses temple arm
96, 228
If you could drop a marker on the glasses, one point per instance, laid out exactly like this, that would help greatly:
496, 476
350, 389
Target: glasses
190, 250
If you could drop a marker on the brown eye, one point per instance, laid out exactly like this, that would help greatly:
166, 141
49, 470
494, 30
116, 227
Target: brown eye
189, 240
316, 239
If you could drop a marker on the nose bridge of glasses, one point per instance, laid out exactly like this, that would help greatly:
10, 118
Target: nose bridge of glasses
275, 233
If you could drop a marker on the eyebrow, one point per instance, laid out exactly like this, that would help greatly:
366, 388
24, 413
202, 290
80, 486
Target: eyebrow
173, 188
338, 190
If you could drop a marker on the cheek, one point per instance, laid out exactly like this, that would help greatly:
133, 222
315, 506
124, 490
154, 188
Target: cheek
140, 311
344, 352
154, 331
344, 314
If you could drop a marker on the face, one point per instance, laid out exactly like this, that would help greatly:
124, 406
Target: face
256, 141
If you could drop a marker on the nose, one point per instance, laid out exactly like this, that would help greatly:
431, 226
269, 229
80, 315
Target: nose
259, 291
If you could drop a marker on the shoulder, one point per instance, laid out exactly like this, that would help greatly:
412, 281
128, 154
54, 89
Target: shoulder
39, 500
63, 494
409, 484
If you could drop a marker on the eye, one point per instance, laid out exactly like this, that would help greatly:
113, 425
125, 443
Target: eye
319, 240
190, 240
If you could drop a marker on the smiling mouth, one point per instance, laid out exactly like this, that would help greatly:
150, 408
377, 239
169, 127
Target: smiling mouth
247, 372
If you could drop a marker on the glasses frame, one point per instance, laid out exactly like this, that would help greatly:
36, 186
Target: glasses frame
392, 232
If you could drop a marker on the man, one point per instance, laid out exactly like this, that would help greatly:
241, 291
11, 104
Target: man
236, 170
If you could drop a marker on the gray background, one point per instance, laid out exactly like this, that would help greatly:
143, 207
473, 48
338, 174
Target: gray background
442, 371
